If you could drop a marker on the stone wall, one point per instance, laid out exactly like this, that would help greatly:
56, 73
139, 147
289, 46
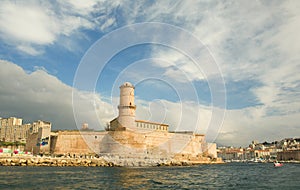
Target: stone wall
39, 143
128, 144
151, 144
31, 144
76, 142
289, 155
212, 149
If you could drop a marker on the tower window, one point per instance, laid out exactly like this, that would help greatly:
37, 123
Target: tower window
130, 103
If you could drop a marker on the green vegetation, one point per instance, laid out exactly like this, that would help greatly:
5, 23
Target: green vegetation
17, 143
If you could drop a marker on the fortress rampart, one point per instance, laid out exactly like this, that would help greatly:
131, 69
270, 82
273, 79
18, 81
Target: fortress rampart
127, 138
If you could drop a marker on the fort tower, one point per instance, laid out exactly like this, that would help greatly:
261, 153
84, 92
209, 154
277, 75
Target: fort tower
127, 107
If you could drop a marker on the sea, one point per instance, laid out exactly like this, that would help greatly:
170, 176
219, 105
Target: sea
219, 176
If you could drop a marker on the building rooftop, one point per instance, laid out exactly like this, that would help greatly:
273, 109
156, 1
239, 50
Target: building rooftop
150, 122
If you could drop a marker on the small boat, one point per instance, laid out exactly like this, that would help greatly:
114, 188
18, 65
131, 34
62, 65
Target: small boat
278, 164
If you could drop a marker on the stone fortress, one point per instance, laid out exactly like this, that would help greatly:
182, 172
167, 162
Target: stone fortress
125, 138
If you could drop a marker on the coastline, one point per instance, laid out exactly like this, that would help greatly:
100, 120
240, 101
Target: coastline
262, 162
96, 162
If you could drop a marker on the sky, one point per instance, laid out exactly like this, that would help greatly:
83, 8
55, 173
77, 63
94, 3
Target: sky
227, 69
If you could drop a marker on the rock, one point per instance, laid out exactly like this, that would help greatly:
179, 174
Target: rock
100, 162
34, 161
23, 161
2, 162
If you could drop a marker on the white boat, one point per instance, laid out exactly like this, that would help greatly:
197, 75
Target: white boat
278, 164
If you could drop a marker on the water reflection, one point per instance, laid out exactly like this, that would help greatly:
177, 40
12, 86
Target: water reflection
227, 176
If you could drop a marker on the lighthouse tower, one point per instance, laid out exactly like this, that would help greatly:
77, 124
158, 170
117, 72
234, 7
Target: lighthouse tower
127, 107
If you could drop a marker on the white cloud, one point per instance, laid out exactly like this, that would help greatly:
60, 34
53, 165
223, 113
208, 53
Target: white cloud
279, 69
178, 66
29, 50
79, 7
249, 41
287, 37
242, 126
28, 24
239, 127
39, 95
181, 116
109, 22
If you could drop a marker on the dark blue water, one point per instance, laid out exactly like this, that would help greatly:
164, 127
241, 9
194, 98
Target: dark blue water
225, 176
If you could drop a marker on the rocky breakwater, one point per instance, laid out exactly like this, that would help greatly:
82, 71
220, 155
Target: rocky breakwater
141, 161
49, 161
104, 161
